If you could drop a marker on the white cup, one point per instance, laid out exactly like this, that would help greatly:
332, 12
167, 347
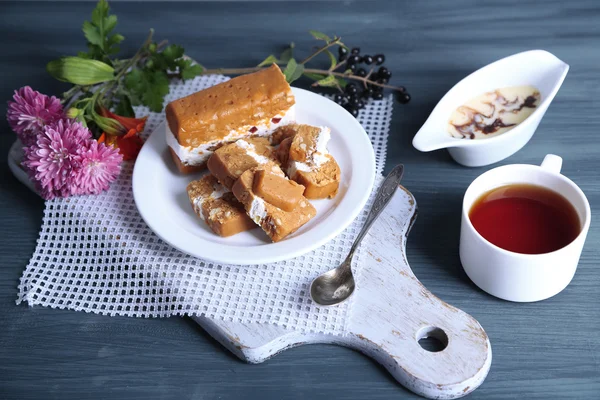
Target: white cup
515, 276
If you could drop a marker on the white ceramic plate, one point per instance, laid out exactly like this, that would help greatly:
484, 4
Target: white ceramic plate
161, 197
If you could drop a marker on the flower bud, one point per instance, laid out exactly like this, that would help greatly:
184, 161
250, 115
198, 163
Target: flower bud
80, 71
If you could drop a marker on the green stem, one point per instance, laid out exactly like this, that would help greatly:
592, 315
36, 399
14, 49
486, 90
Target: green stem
110, 86
70, 93
240, 71
336, 66
322, 49
356, 78
231, 71
133, 60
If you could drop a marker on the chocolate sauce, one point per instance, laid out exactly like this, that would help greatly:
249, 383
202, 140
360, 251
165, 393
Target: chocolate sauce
493, 112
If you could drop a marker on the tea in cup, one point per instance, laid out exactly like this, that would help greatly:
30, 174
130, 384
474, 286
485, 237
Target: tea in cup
523, 229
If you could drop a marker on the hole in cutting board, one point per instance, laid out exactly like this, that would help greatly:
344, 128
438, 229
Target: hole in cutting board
432, 339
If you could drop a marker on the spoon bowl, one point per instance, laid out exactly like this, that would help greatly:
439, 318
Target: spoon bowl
334, 286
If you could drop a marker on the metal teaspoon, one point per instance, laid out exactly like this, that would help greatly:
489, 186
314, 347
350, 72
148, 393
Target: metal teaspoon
337, 285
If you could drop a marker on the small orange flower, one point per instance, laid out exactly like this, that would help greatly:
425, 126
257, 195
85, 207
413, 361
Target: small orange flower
127, 139
129, 146
131, 126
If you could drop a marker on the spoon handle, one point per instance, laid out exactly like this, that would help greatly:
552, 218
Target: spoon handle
382, 198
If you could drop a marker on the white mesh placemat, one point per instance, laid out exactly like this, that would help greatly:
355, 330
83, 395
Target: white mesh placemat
96, 254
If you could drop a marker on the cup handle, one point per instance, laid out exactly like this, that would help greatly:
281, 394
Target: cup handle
552, 163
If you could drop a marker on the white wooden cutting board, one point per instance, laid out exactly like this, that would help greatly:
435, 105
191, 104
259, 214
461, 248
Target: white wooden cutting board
391, 311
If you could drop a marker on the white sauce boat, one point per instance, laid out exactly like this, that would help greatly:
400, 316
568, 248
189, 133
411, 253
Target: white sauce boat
537, 68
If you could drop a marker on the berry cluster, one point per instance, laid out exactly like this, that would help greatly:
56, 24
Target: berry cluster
354, 97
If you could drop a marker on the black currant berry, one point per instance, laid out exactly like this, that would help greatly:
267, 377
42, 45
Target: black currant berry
342, 51
352, 110
355, 50
403, 97
385, 75
383, 71
338, 98
352, 68
383, 81
401, 89
360, 104
351, 89
378, 96
361, 72
354, 59
368, 92
342, 57
379, 59
368, 60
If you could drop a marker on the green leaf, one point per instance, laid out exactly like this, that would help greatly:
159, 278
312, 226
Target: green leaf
332, 59
172, 53
99, 18
287, 53
320, 36
313, 76
112, 47
123, 107
109, 23
192, 71
156, 62
148, 88
293, 71
328, 81
168, 59
134, 82
100, 12
187, 69
184, 63
95, 52
341, 81
92, 34
97, 33
268, 61
157, 89
82, 54
80, 71
115, 39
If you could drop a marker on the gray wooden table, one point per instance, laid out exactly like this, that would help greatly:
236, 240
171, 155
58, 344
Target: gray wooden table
542, 350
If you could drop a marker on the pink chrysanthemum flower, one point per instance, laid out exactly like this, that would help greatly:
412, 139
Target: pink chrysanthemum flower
52, 159
30, 112
99, 166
